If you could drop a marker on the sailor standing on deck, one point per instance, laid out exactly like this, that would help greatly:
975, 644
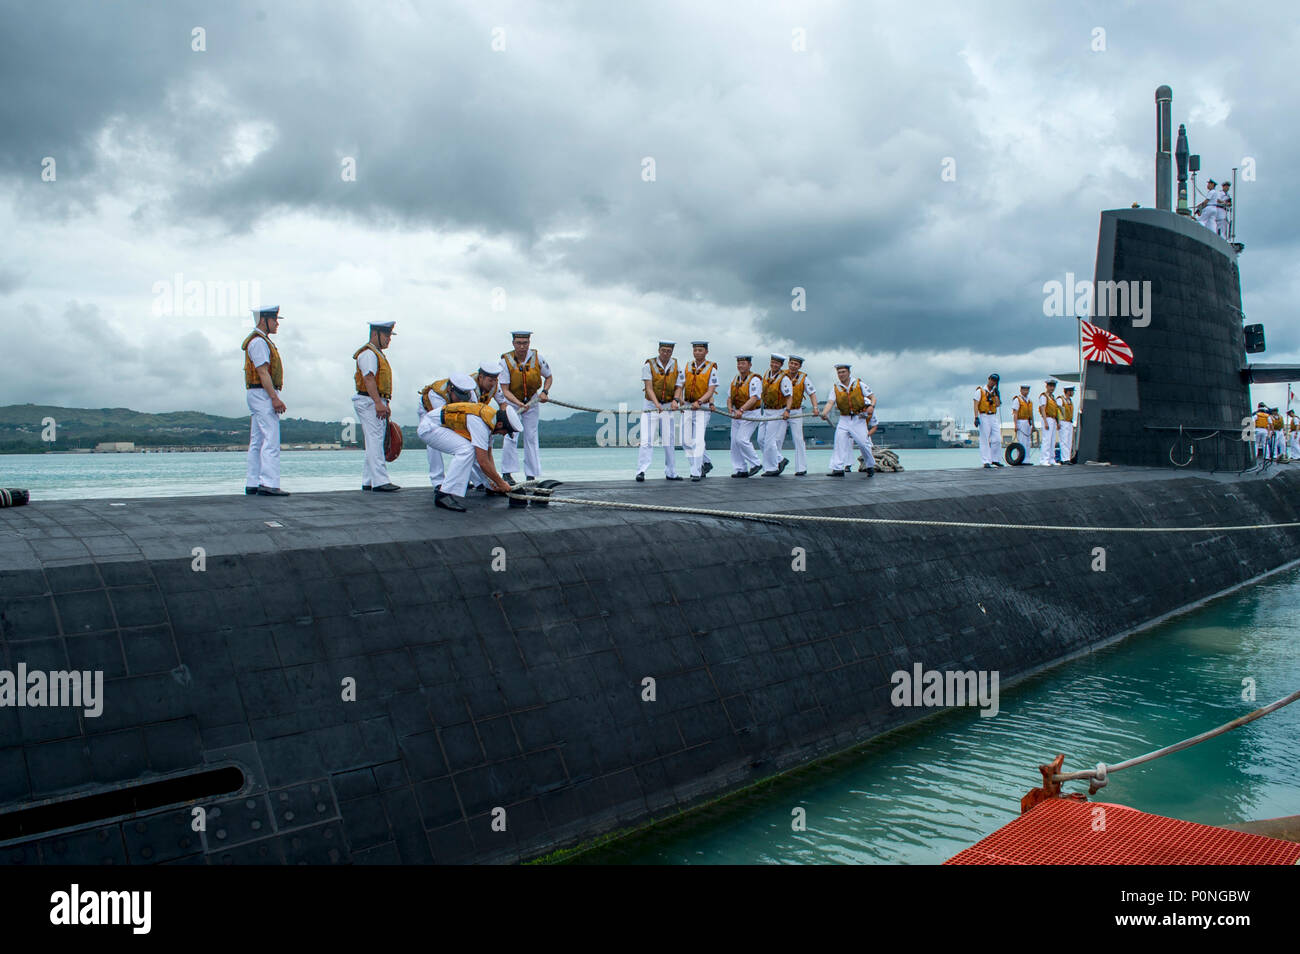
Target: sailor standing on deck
856, 405
1023, 414
1293, 435
374, 381
1047, 409
699, 385
1065, 425
662, 381
777, 395
1263, 422
263, 379
988, 400
1278, 450
744, 395
800, 387
525, 383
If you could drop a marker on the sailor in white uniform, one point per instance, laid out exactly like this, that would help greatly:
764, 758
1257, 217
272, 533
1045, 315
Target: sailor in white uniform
1065, 425
801, 386
1022, 412
374, 389
1263, 426
1221, 205
526, 384
778, 392
1048, 410
744, 395
466, 434
856, 405
1207, 212
700, 383
1293, 429
662, 381
456, 389
988, 404
263, 379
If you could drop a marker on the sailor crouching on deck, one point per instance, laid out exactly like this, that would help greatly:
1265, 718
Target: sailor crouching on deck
263, 379
700, 384
467, 429
777, 395
1048, 410
374, 381
662, 381
800, 386
856, 405
988, 401
1065, 425
457, 387
1023, 415
525, 383
743, 396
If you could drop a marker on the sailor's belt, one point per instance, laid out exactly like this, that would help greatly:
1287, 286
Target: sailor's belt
386, 397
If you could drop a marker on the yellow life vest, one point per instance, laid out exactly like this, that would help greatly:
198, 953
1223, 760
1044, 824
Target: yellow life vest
850, 400
697, 380
988, 402
1261, 419
740, 390
798, 384
251, 377
383, 378
455, 416
663, 383
1050, 410
526, 378
772, 396
1065, 410
439, 388
1024, 410
1276, 421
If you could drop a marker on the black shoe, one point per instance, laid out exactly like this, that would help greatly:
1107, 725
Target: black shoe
755, 469
510, 478
741, 473
871, 471
640, 478
673, 478
447, 502
771, 473
527, 477
785, 462
365, 486
271, 492
250, 491
707, 467
997, 463
385, 488
695, 479
836, 473
801, 473
988, 466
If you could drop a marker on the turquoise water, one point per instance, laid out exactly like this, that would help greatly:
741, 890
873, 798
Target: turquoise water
70, 476
920, 795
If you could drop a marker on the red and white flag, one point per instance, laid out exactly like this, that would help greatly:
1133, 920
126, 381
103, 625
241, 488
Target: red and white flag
1099, 345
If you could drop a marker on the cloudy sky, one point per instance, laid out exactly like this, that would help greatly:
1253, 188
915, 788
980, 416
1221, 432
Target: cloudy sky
605, 174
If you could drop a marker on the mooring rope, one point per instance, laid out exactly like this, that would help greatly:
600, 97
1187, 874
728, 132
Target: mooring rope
715, 410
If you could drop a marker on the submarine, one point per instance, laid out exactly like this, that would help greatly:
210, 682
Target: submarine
339, 678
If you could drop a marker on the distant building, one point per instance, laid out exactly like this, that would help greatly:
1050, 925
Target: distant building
115, 447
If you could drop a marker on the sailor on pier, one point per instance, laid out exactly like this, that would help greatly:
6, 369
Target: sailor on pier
800, 387
1065, 425
777, 395
1263, 421
1048, 410
662, 381
856, 405
466, 433
988, 401
744, 395
263, 379
699, 385
374, 384
526, 384
1023, 415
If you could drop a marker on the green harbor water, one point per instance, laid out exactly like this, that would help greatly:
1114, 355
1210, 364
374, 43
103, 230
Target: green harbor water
920, 795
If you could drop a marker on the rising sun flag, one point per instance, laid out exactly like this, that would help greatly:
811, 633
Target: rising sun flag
1100, 345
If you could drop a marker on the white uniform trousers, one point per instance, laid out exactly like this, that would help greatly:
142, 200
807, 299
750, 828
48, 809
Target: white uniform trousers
774, 438
1065, 437
657, 426
374, 472
462, 462
435, 443
694, 424
1048, 445
532, 456
1279, 444
1024, 435
1261, 441
743, 454
263, 441
849, 431
990, 438
800, 447
435, 456
1295, 445
1221, 222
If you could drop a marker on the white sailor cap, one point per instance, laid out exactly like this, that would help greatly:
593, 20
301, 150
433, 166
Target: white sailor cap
492, 366
521, 334
778, 357
1024, 387
513, 420
462, 382
385, 326
846, 367
1069, 387
797, 357
668, 344
1261, 405
270, 311
1051, 382
699, 344
744, 357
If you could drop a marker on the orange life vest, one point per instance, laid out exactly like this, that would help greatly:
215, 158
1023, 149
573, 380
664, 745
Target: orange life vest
439, 388
772, 396
1262, 420
526, 378
697, 380
1276, 421
251, 377
850, 400
798, 384
1050, 408
383, 378
1065, 410
740, 390
1024, 409
455, 416
988, 402
663, 383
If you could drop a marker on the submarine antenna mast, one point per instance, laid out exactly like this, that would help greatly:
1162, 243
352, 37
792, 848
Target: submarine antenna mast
1164, 147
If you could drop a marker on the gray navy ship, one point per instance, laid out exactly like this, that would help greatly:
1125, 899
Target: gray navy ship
345, 678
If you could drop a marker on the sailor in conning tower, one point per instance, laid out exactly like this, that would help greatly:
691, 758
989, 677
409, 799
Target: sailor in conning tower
263, 379
662, 380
